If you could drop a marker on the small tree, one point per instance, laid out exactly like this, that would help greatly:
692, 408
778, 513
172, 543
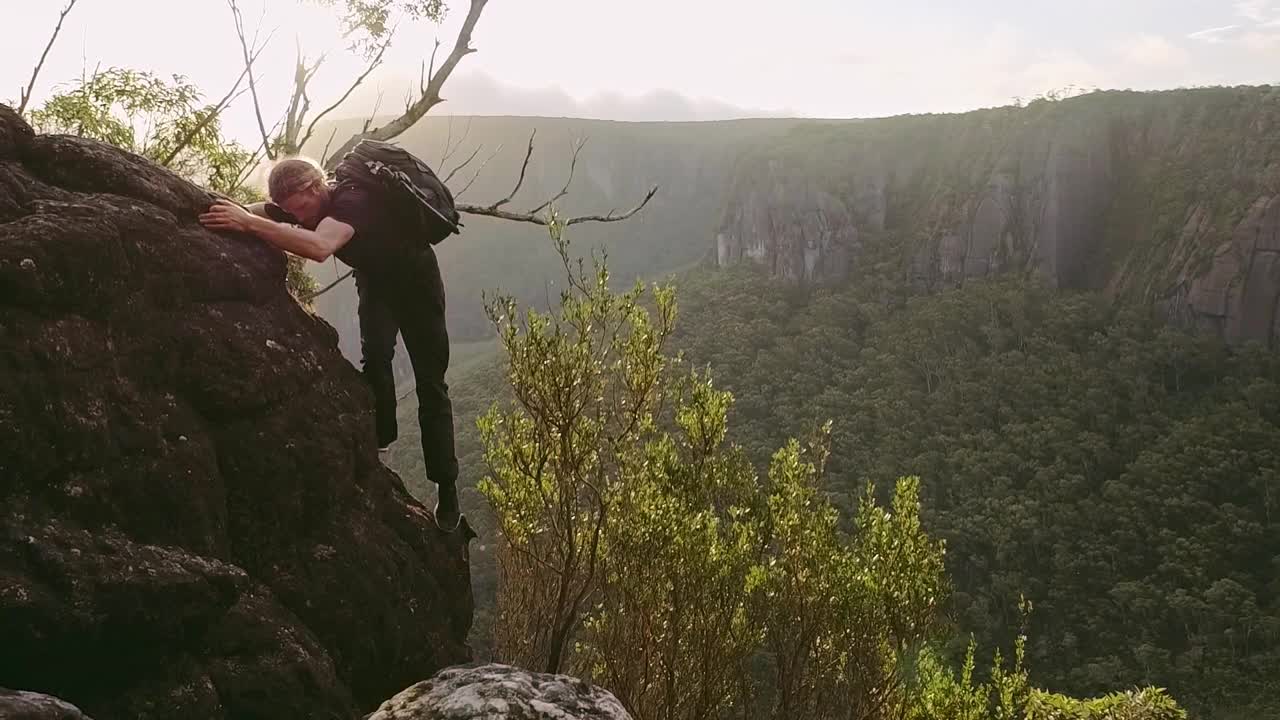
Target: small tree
641, 549
588, 383
161, 119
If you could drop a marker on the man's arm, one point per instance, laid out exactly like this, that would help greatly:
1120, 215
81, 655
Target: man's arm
319, 244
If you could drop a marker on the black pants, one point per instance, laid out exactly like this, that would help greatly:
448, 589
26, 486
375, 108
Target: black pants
410, 300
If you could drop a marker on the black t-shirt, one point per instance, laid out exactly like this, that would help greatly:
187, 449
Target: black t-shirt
384, 250
377, 245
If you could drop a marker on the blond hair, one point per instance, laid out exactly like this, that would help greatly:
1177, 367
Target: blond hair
291, 176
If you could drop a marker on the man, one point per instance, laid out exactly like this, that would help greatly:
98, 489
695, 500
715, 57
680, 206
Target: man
399, 287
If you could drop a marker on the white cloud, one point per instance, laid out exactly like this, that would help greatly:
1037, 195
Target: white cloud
1156, 51
1263, 12
1215, 35
1261, 34
1261, 42
1255, 10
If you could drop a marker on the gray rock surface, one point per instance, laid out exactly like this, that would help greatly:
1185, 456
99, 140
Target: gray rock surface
501, 692
19, 705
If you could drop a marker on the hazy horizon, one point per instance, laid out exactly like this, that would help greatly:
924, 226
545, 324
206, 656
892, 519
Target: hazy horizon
673, 61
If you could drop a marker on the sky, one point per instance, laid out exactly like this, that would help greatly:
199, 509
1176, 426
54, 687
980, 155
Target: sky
678, 59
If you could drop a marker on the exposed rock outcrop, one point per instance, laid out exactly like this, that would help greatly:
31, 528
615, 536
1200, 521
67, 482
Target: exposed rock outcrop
501, 692
1168, 198
1239, 293
193, 520
17, 705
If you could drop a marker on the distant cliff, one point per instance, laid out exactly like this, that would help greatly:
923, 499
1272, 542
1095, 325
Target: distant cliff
1170, 198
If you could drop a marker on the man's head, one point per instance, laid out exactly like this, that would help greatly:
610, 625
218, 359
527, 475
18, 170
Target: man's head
298, 186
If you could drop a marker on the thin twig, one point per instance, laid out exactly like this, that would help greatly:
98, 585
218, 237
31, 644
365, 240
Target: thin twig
223, 104
327, 288
477, 173
325, 155
373, 64
376, 105
564, 190
449, 150
253, 87
490, 211
610, 217
464, 164
431, 72
247, 168
31, 86
520, 181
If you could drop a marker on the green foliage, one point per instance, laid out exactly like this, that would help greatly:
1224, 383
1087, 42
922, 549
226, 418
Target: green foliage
940, 694
161, 119
369, 22
639, 550
164, 121
587, 385
1119, 472
1145, 704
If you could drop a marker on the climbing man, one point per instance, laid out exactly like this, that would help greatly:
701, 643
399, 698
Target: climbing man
398, 283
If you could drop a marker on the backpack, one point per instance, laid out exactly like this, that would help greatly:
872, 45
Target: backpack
423, 200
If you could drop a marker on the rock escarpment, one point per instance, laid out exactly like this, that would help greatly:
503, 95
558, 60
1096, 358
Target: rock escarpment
193, 520
1166, 198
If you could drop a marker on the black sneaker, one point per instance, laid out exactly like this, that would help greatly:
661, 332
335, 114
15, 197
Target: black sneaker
447, 512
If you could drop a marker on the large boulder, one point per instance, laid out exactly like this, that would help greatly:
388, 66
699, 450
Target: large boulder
18, 705
193, 520
501, 692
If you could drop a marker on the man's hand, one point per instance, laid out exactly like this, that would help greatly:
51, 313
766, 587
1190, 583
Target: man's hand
226, 215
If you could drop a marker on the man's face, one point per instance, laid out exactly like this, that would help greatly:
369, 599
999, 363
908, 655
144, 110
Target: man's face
308, 205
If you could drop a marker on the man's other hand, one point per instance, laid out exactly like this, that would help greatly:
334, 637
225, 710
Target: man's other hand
226, 215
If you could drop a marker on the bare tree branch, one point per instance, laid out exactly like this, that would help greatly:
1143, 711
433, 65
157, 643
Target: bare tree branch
429, 86
431, 71
31, 86
431, 97
464, 164
258, 154
223, 104
610, 217
312, 296
490, 211
477, 173
369, 121
448, 140
573, 164
325, 155
373, 64
253, 87
519, 181
300, 103
449, 147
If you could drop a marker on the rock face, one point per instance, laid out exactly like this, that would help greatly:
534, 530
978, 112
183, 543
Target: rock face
1166, 198
500, 692
34, 706
193, 520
